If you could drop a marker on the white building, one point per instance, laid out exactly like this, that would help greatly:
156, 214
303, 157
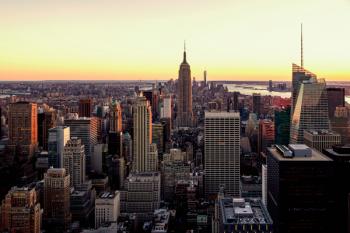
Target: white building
107, 208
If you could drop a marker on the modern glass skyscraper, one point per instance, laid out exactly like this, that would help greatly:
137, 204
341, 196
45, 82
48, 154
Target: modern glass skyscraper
299, 75
282, 126
311, 109
222, 152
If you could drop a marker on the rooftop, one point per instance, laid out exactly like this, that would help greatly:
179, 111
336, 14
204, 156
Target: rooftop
221, 114
243, 211
107, 195
314, 156
321, 132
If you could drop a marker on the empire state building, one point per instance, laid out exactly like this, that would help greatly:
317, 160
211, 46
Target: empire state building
184, 95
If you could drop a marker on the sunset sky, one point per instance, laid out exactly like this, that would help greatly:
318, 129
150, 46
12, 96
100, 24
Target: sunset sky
139, 39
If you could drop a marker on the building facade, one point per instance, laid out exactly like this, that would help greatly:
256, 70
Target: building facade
222, 152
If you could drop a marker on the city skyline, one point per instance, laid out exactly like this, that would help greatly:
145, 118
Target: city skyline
112, 40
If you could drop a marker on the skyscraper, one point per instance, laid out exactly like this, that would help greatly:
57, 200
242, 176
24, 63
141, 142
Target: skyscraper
20, 211
266, 136
311, 109
341, 157
282, 126
115, 120
85, 107
74, 161
257, 104
57, 214
46, 121
205, 78
84, 128
142, 138
58, 138
184, 95
299, 189
23, 128
299, 75
222, 152
336, 98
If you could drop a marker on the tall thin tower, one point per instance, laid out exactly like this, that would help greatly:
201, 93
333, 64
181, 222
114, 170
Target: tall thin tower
184, 96
301, 48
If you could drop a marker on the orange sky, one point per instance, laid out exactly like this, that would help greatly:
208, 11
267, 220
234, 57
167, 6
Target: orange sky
139, 39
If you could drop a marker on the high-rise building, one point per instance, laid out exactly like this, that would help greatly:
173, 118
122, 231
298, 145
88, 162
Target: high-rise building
23, 128
20, 211
58, 138
311, 109
86, 130
266, 136
115, 118
282, 126
166, 108
299, 189
299, 75
321, 139
184, 95
205, 78
235, 101
85, 107
57, 199
115, 143
264, 184
222, 152
74, 161
46, 121
340, 123
152, 161
141, 194
158, 136
336, 98
341, 157
142, 137
107, 208
257, 104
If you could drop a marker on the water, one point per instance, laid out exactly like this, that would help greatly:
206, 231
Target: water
249, 89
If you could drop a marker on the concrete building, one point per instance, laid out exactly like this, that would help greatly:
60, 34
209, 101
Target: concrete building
321, 139
142, 137
336, 98
266, 136
20, 211
237, 215
166, 108
85, 107
74, 161
115, 117
58, 138
23, 128
222, 152
57, 199
141, 194
107, 208
85, 129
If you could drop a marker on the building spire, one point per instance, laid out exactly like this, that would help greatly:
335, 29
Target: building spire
301, 48
184, 52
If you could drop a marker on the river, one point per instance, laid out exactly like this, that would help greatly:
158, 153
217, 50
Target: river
249, 89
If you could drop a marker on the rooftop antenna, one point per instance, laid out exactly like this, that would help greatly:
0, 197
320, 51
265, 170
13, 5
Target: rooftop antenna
301, 48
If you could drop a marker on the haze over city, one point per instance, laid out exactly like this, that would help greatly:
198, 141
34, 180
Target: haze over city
143, 40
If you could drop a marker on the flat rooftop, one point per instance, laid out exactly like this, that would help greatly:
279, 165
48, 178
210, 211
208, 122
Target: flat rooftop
321, 132
221, 114
106, 195
315, 156
243, 211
